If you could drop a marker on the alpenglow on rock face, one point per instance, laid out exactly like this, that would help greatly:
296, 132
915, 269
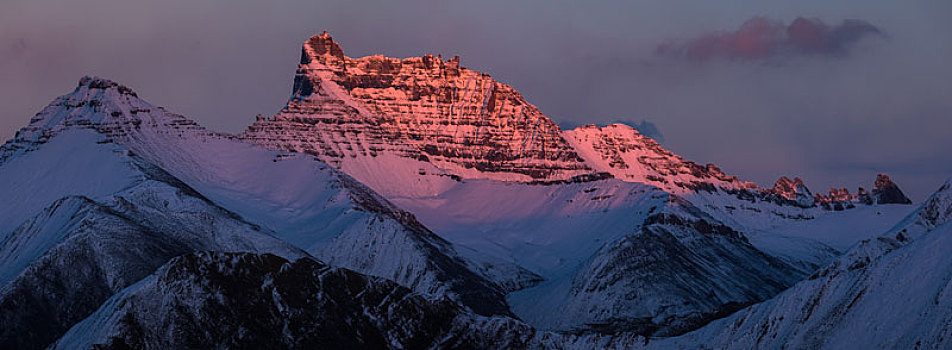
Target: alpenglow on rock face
793, 190
421, 108
432, 116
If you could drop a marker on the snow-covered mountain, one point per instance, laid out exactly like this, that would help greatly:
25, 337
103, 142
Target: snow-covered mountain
421, 108
888, 292
63, 261
885, 293
679, 269
793, 190
403, 203
485, 169
100, 160
429, 121
628, 155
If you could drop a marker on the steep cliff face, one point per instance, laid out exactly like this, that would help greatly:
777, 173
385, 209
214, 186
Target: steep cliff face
422, 108
414, 126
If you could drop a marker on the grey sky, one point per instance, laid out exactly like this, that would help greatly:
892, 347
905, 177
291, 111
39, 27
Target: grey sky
835, 121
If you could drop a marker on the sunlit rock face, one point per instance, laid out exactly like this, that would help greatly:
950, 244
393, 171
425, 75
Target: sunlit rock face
453, 121
430, 116
423, 108
628, 155
793, 190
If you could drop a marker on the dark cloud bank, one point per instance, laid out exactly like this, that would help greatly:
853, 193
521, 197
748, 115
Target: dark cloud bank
761, 38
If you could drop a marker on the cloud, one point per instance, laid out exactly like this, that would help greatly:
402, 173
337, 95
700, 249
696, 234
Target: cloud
761, 39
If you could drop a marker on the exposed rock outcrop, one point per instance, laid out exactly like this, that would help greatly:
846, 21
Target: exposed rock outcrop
423, 108
887, 192
793, 190
884, 192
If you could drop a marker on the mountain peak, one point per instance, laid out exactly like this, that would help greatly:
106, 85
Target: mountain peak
97, 83
95, 102
793, 190
321, 47
101, 105
619, 149
885, 191
424, 108
785, 184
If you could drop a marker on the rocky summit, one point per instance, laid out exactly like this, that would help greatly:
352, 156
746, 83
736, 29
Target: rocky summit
423, 108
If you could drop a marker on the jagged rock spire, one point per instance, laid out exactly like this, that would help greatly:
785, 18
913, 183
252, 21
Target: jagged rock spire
793, 190
321, 47
887, 192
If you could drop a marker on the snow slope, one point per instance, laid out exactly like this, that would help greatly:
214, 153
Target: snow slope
887, 292
675, 271
546, 228
32, 183
62, 262
589, 240
303, 202
812, 244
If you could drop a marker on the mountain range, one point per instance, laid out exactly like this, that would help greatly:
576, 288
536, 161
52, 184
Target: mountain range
416, 203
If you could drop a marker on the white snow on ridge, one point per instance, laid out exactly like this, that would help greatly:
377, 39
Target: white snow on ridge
549, 229
842, 230
820, 240
898, 301
302, 201
891, 291
71, 164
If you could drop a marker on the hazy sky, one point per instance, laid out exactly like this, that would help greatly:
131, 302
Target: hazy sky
879, 103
